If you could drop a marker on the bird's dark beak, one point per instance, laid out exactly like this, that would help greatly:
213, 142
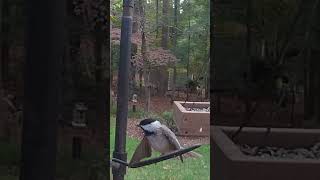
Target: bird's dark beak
139, 126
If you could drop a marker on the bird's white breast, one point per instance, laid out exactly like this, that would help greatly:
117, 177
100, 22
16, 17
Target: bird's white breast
159, 143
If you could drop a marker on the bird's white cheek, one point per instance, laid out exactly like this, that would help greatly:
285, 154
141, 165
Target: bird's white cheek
149, 128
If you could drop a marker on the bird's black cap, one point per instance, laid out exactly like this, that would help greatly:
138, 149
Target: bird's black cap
146, 121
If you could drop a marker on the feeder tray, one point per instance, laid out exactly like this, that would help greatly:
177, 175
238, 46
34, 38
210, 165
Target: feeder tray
170, 155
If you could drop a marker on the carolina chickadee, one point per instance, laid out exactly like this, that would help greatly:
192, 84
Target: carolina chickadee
158, 137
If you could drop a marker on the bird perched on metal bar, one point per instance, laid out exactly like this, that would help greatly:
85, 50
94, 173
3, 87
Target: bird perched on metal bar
159, 138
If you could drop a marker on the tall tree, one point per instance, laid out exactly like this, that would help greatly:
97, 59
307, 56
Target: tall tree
189, 39
157, 18
45, 30
146, 67
135, 29
165, 45
165, 22
175, 37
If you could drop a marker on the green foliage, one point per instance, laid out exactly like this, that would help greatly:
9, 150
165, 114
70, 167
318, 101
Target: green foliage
197, 11
192, 84
115, 56
167, 118
167, 115
113, 110
116, 12
140, 113
173, 169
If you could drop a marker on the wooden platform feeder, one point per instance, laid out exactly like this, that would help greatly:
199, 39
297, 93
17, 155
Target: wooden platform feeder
192, 123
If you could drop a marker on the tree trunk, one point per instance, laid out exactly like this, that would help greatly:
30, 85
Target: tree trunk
163, 80
45, 34
207, 79
135, 29
207, 95
5, 46
136, 14
165, 22
133, 80
146, 69
140, 80
188, 62
157, 19
164, 40
174, 80
133, 72
176, 2
147, 88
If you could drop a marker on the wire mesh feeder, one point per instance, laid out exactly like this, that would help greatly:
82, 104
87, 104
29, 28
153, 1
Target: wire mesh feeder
170, 155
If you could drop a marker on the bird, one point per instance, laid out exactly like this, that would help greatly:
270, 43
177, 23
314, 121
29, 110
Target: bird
158, 137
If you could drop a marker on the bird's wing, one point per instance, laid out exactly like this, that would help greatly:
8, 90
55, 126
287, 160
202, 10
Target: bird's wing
171, 137
142, 151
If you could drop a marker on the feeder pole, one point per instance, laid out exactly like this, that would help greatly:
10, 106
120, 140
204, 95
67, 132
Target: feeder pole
123, 89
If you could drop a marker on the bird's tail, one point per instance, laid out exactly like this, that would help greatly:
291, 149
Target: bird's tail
192, 154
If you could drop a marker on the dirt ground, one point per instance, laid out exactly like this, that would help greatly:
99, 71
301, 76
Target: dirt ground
158, 104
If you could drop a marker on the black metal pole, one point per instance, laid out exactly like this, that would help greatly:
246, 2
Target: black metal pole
123, 89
